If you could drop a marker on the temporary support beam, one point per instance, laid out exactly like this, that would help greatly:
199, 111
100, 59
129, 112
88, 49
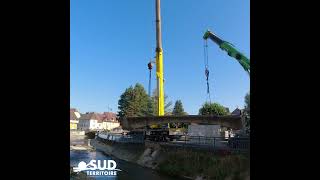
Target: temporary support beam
231, 121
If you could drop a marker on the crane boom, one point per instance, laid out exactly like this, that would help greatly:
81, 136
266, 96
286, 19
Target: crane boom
230, 49
159, 61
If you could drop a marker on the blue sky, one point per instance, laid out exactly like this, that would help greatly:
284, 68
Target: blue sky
113, 40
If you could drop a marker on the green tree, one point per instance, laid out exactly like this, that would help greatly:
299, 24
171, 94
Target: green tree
246, 112
167, 104
213, 109
125, 103
178, 109
150, 107
135, 102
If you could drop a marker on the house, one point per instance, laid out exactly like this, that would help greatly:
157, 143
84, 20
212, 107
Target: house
109, 116
96, 121
90, 121
76, 112
237, 111
109, 121
74, 116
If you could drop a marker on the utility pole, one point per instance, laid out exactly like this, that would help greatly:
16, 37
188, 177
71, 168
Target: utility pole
159, 61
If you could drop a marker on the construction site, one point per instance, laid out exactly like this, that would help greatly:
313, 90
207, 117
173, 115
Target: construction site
171, 143
157, 128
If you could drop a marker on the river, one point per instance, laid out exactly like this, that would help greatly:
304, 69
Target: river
130, 171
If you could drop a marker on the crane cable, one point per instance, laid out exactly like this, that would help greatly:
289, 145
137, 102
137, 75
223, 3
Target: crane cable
206, 66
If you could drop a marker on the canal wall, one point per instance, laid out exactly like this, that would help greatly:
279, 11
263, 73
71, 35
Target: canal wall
178, 161
145, 155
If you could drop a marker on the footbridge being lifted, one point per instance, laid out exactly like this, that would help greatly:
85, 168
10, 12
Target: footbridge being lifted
231, 121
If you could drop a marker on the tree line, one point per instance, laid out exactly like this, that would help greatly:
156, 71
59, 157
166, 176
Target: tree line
135, 102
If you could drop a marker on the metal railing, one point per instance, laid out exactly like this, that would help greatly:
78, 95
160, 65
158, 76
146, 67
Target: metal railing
120, 138
202, 142
233, 144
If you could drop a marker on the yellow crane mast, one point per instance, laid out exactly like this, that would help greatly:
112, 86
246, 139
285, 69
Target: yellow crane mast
159, 62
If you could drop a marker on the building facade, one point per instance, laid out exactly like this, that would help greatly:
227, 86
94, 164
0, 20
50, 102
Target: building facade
74, 116
92, 121
109, 121
88, 121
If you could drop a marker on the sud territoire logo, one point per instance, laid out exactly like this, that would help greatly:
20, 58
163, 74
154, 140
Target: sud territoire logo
98, 168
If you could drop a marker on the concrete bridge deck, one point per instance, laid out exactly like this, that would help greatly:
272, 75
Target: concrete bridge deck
232, 121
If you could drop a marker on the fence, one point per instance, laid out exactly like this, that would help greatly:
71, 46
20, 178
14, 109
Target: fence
233, 144
201, 142
120, 138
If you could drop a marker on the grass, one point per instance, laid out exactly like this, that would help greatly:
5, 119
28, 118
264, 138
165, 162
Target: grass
208, 165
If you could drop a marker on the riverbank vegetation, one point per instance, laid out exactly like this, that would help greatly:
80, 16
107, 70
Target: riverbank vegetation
209, 166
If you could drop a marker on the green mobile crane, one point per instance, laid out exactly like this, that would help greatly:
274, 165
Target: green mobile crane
230, 49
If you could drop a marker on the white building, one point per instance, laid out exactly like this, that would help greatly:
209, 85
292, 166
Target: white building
95, 121
109, 121
89, 121
108, 125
